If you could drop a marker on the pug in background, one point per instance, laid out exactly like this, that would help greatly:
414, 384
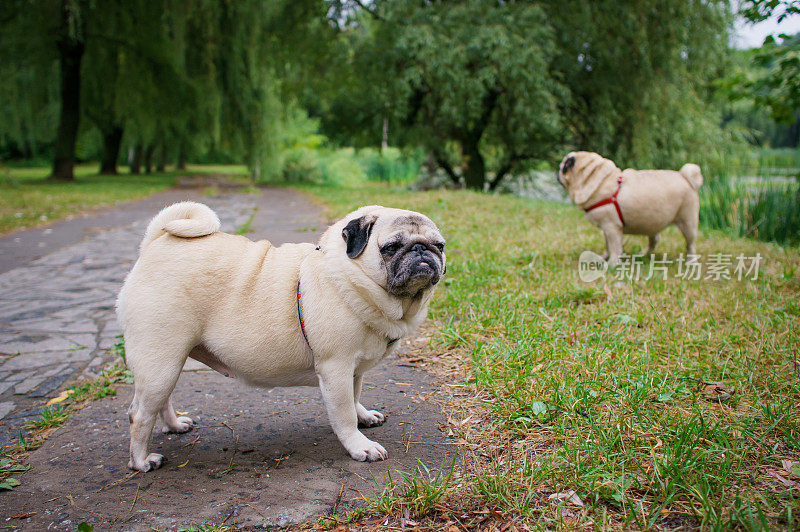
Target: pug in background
635, 202
293, 315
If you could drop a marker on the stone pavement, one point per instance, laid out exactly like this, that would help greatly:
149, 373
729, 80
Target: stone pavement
257, 458
57, 311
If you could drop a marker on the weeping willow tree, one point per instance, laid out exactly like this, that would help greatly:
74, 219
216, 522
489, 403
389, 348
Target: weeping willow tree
167, 79
642, 75
40, 59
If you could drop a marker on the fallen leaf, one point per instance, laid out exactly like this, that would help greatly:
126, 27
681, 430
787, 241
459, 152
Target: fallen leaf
183, 464
785, 481
61, 397
569, 496
791, 467
23, 516
406, 521
716, 392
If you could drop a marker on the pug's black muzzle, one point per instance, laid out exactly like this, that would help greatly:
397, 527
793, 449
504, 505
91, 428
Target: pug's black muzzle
417, 269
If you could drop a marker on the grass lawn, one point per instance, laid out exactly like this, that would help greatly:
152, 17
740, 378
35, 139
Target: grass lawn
28, 199
554, 385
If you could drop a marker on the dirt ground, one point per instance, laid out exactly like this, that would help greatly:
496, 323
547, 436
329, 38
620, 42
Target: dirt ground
258, 458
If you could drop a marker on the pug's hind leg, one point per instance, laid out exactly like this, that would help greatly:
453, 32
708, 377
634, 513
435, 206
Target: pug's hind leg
689, 230
366, 418
172, 422
336, 384
652, 240
156, 369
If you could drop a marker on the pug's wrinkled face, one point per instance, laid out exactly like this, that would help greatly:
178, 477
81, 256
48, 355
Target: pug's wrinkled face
403, 251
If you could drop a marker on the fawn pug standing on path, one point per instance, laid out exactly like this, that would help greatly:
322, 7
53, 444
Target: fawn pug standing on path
636, 202
292, 315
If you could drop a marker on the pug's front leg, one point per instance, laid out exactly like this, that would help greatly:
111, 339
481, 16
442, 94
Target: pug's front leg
366, 418
337, 386
613, 243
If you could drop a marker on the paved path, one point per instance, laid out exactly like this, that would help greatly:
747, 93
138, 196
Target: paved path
257, 458
57, 311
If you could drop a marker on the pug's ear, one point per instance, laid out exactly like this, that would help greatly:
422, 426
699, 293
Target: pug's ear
356, 235
568, 164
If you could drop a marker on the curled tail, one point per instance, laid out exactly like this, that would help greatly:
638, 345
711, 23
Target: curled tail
691, 173
186, 219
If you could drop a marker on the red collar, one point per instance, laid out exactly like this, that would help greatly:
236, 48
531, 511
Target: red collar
612, 199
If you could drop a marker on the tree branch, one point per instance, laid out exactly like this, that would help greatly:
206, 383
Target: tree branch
360, 3
447, 167
501, 173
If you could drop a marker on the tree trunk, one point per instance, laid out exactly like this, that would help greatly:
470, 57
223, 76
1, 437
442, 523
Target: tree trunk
474, 166
385, 132
112, 140
70, 47
148, 158
181, 164
136, 162
161, 166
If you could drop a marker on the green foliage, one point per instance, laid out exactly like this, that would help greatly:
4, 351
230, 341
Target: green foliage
490, 88
419, 491
102, 386
391, 165
641, 89
778, 86
28, 199
349, 167
118, 349
333, 521
761, 10
762, 207
203, 527
779, 159
247, 226
179, 80
459, 79
50, 416
9, 466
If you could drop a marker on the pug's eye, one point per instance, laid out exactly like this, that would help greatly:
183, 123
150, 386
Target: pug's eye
439, 246
391, 249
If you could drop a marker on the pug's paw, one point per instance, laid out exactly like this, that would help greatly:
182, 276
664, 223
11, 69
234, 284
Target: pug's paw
366, 450
153, 461
184, 424
369, 418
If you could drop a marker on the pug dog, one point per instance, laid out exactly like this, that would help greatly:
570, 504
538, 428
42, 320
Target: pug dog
636, 202
289, 315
